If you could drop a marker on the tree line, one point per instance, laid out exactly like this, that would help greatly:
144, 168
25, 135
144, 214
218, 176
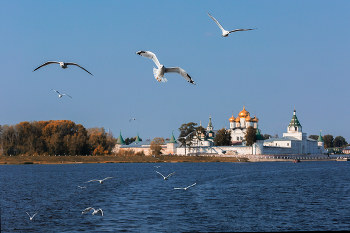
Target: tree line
331, 142
54, 137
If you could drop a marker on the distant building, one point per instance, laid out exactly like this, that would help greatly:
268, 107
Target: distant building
239, 125
293, 142
346, 150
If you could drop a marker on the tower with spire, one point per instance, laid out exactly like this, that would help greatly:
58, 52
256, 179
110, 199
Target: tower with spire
320, 141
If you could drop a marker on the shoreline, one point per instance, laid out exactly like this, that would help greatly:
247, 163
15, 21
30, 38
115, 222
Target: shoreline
23, 160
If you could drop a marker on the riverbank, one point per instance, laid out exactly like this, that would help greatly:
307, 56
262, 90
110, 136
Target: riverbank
8, 160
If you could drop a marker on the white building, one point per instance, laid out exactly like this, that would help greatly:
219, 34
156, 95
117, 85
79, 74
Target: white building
239, 125
294, 141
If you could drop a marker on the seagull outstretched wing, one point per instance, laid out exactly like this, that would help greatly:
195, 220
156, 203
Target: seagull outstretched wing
180, 71
47, 63
217, 22
149, 55
75, 64
86, 210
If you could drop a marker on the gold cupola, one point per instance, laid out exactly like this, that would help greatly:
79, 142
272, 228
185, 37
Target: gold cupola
243, 114
248, 118
232, 119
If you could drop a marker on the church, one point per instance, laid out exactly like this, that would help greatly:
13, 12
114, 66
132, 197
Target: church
293, 142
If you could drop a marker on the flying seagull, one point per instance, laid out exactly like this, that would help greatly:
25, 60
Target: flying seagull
224, 32
81, 187
101, 181
31, 217
94, 211
166, 177
60, 95
186, 187
64, 65
133, 119
159, 73
157, 166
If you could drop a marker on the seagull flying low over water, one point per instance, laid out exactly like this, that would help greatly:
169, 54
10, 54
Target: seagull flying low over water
159, 73
101, 181
31, 217
60, 95
166, 177
224, 32
64, 65
94, 211
186, 187
81, 187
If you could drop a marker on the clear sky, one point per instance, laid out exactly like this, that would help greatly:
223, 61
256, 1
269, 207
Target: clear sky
298, 57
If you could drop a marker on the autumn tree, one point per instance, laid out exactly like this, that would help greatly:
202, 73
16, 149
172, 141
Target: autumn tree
328, 141
156, 147
222, 138
250, 136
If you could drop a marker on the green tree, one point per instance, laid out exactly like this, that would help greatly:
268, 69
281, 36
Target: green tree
250, 136
339, 141
222, 138
266, 136
315, 137
185, 131
156, 146
328, 141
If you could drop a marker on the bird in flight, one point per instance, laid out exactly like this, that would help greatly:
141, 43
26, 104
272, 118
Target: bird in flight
224, 32
166, 177
64, 65
81, 187
31, 217
60, 95
101, 181
159, 73
133, 119
186, 187
94, 211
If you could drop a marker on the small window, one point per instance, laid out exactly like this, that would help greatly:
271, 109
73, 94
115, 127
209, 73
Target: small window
287, 144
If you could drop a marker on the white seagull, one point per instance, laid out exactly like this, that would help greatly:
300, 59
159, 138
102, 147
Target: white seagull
81, 187
94, 211
133, 119
166, 177
64, 65
159, 73
186, 187
157, 166
31, 217
101, 181
60, 95
224, 32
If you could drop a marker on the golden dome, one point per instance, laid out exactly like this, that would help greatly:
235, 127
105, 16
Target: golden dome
232, 119
237, 120
248, 118
243, 113
255, 119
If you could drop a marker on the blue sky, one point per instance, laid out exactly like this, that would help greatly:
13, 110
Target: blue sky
297, 57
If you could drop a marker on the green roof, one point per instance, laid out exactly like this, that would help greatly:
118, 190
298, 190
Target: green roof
320, 139
210, 124
120, 139
294, 122
172, 139
137, 138
258, 135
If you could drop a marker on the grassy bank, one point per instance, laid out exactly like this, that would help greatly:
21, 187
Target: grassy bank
111, 159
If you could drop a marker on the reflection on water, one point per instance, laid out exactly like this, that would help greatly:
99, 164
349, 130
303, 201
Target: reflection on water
273, 196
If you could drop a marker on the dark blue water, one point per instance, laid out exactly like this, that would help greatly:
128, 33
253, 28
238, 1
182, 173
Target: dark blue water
271, 196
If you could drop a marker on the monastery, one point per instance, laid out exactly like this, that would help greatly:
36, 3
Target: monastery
293, 142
